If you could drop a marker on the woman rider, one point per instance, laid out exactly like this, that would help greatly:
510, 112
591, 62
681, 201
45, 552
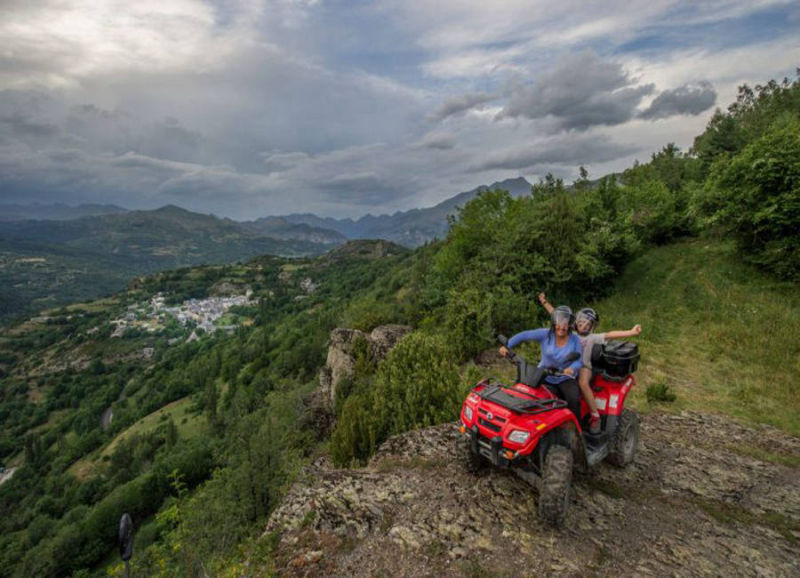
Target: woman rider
561, 349
585, 322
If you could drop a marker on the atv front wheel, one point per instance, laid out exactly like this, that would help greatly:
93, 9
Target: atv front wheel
555, 484
473, 463
626, 439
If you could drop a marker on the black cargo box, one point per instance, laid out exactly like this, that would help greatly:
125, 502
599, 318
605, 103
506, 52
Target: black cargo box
615, 358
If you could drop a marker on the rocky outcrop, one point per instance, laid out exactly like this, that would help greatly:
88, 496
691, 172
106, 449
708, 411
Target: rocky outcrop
704, 496
341, 362
384, 337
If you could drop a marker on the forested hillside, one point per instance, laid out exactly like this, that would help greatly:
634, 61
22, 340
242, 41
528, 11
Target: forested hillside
48, 263
210, 426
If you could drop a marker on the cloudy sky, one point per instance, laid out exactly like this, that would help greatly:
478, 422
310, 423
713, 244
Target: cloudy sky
247, 108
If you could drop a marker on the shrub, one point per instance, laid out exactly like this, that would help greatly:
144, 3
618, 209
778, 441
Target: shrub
659, 391
757, 198
417, 385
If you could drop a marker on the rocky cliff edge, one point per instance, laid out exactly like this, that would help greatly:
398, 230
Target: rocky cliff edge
704, 496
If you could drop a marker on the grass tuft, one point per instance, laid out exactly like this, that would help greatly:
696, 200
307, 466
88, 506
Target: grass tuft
727, 513
659, 392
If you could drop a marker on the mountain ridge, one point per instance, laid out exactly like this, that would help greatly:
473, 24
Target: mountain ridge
409, 228
56, 211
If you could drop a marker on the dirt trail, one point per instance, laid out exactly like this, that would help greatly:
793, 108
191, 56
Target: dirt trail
703, 497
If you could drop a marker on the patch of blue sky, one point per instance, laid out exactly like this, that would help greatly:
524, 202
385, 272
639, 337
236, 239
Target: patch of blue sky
355, 36
768, 24
224, 12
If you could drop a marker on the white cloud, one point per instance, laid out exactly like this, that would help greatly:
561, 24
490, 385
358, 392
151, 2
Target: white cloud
725, 69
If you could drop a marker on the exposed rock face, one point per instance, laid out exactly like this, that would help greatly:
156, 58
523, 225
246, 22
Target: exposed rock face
704, 496
384, 337
341, 362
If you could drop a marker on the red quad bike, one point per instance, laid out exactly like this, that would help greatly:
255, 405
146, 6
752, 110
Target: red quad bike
528, 428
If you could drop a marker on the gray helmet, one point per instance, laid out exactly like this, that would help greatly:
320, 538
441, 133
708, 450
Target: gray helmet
587, 314
562, 314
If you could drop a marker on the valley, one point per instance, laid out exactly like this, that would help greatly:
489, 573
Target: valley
259, 413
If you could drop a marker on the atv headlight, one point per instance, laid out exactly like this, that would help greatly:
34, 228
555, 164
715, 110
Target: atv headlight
519, 436
468, 412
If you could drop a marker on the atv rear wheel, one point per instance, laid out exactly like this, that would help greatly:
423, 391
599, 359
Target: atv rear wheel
471, 462
626, 439
555, 485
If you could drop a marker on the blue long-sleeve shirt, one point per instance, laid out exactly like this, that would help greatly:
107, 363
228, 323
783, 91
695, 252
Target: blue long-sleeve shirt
552, 354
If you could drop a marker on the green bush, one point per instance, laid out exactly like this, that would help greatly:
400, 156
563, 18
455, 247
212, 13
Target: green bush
417, 385
660, 392
757, 198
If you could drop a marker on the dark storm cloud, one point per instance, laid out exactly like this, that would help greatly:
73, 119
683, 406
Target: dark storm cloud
26, 116
438, 141
120, 132
688, 99
582, 92
564, 151
65, 156
23, 127
136, 161
365, 188
356, 182
461, 104
215, 184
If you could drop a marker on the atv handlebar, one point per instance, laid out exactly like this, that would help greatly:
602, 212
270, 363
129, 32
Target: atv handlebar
519, 360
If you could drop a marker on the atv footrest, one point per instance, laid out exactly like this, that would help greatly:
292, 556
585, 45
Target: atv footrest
596, 447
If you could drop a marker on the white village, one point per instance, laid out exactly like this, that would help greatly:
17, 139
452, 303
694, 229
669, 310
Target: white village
203, 315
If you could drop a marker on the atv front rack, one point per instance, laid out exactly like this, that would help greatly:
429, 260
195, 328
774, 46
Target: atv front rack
496, 393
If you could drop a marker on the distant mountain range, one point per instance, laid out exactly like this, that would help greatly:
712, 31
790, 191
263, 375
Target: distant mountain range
281, 228
171, 236
50, 263
408, 228
51, 255
56, 212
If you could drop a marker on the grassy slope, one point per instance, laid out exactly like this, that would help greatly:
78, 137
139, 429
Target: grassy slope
189, 425
721, 335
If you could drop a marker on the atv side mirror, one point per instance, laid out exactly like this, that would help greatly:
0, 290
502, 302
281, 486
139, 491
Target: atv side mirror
502, 339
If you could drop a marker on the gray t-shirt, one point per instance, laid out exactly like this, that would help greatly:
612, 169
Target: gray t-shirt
587, 344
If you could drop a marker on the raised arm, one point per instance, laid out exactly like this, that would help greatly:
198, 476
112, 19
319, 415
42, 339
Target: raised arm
621, 334
530, 335
545, 303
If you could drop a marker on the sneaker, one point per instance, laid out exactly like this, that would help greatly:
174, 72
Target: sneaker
594, 423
